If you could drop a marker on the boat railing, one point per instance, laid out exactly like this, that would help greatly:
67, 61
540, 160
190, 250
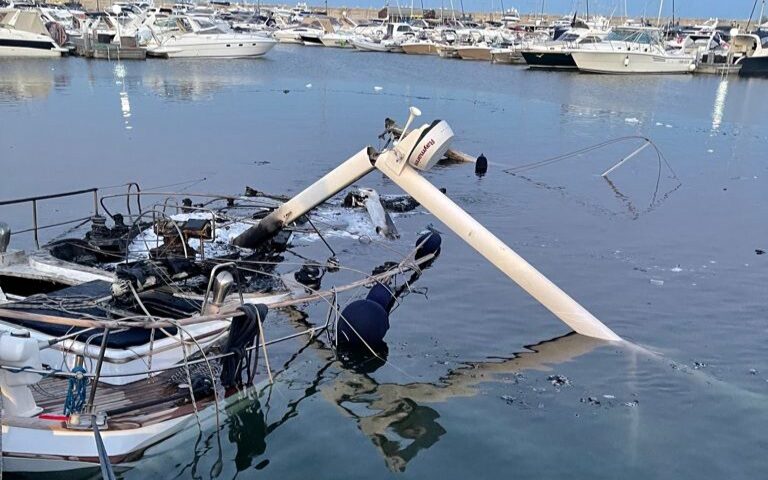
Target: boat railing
36, 227
133, 209
98, 201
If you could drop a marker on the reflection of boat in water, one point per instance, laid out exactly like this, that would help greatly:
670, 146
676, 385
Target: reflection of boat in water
190, 81
22, 80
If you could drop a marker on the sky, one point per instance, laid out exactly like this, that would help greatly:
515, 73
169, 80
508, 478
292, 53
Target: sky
739, 9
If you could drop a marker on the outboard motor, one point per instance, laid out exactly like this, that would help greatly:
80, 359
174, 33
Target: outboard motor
5, 237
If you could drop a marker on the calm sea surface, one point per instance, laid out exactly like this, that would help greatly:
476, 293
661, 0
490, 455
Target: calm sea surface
663, 254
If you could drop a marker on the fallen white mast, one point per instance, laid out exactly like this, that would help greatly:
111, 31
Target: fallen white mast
420, 150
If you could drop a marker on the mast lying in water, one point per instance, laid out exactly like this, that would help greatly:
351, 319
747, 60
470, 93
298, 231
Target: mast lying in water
420, 150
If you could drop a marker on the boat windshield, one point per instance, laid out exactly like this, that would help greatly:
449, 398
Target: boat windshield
569, 37
632, 35
206, 26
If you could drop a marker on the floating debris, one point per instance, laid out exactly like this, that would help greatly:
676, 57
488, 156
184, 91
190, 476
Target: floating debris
559, 380
609, 397
378, 88
633, 403
698, 365
657, 282
632, 120
590, 400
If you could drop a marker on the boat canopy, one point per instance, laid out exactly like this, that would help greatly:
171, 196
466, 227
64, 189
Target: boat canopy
28, 21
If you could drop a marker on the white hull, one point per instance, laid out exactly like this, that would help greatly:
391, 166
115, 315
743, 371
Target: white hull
368, 46
631, 62
421, 48
17, 52
27, 450
336, 42
474, 53
232, 48
29, 44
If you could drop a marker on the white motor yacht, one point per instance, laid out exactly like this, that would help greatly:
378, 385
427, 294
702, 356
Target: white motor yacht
639, 52
340, 39
557, 53
23, 34
194, 37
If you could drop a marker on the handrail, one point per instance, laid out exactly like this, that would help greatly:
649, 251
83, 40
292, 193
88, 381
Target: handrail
33, 200
47, 197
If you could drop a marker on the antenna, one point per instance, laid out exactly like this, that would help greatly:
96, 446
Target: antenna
414, 112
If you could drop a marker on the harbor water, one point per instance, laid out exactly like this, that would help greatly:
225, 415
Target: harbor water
480, 381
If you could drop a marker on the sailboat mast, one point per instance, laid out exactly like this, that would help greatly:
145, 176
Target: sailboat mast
673, 12
658, 20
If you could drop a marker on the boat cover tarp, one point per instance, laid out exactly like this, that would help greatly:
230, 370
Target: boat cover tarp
28, 21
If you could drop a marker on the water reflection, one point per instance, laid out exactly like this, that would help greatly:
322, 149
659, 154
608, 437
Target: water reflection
394, 416
400, 420
719, 106
125, 101
21, 81
194, 81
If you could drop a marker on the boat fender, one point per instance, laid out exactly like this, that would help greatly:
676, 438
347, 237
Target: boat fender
428, 244
481, 165
383, 295
363, 324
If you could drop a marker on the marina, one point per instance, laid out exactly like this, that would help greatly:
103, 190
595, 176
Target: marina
592, 44
276, 243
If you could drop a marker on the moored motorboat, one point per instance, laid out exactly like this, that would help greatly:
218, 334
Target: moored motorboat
23, 34
507, 55
475, 52
556, 54
419, 47
193, 38
639, 53
447, 51
337, 40
754, 59
366, 44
